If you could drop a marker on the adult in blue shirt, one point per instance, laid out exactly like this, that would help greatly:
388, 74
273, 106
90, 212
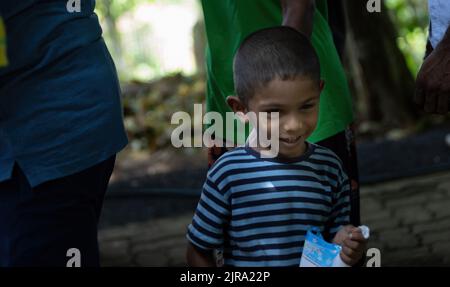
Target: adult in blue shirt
60, 128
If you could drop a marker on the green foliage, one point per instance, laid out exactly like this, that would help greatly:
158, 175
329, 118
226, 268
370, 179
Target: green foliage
411, 20
116, 8
131, 51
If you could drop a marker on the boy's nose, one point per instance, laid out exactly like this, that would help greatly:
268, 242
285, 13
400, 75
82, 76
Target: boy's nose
292, 124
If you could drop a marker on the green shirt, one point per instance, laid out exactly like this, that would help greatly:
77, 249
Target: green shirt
228, 22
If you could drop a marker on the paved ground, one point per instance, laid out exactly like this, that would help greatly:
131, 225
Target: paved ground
409, 220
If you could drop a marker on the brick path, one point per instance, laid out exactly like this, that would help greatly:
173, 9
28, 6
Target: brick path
410, 220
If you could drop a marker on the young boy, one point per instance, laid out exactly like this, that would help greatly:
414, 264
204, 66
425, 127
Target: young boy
258, 209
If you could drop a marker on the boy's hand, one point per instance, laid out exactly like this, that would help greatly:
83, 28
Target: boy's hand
353, 244
197, 258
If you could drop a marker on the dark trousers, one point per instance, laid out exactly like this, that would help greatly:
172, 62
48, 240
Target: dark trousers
343, 145
39, 225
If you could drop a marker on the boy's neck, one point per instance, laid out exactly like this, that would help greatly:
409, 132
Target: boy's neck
267, 152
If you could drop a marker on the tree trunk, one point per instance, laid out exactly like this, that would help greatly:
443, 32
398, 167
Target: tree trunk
380, 79
199, 38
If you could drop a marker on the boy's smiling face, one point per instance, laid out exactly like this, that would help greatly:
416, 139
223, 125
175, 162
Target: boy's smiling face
297, 102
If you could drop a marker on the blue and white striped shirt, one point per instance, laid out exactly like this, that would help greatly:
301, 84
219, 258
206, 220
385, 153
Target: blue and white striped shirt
258, 209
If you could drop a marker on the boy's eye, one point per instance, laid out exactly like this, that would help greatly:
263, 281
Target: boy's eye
307, 107
272, 111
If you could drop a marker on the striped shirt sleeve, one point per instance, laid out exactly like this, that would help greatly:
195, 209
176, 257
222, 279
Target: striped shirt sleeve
207, 228
340, 214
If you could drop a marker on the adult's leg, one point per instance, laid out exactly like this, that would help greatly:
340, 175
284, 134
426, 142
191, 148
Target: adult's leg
9, 196
336, 21
343, 144
44, 222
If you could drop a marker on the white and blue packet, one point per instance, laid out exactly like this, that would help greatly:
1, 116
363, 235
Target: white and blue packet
319, 253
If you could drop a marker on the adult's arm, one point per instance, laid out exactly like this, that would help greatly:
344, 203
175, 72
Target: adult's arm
298, 14
433, 79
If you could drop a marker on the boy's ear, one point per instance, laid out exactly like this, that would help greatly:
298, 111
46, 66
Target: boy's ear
321, 85
236, 104
238, 107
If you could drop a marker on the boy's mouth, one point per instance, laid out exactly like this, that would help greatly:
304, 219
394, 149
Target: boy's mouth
291, 140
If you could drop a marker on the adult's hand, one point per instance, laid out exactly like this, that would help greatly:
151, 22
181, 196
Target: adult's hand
433, 80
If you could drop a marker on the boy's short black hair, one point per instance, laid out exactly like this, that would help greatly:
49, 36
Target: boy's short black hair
271, 53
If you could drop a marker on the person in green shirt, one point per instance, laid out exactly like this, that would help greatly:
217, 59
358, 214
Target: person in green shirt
229, 22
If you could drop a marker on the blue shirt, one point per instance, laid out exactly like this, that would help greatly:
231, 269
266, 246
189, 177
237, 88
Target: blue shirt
60, 109
258, 210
